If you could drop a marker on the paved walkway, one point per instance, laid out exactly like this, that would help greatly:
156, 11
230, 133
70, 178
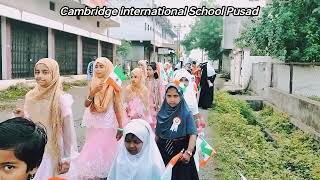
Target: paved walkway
79, 94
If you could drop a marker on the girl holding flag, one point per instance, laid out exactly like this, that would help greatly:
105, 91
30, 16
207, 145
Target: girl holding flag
175, 131
103, 122
138, 156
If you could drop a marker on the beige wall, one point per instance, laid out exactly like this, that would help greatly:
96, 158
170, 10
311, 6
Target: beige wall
38, 12
305, 112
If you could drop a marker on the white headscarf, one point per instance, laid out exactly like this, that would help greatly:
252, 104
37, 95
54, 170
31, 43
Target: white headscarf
147, 164
163, 75
179, 65
210, 70
190, 94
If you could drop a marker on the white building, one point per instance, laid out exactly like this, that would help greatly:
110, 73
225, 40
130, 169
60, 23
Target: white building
232, 26
152, 37
33, 29
235, 61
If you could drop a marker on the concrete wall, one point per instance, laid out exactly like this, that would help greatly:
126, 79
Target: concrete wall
281, 77
261, 77
235, 68
306, 79
226, 63
246, 69
232, 26
305, 112
241, 66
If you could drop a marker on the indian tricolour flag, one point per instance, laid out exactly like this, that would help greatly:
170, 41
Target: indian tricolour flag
205, 150
168, 171
181, 85
116, 78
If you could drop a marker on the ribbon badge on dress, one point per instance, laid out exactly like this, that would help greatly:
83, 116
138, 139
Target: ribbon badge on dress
175, 124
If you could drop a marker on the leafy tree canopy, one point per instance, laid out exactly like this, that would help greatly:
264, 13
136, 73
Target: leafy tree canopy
124, 49
205, 34
288, 30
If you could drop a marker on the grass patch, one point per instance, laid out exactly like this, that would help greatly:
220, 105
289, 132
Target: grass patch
242, 145
14, 92
316, 98
18, 91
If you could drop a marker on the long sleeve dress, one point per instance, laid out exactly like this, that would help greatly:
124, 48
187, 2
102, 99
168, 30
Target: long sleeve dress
68, 141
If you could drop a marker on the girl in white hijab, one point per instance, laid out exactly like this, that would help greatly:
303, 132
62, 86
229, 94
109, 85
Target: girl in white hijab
183, 76
138, 156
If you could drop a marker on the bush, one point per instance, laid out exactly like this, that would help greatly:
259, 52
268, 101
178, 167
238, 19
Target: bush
14, 92
316, 98
18, 91
242, 145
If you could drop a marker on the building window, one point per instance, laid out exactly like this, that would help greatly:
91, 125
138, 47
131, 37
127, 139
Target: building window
78, 17
98, 24
52, 6
148, 27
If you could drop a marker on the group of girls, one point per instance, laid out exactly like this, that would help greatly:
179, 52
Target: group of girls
131, 134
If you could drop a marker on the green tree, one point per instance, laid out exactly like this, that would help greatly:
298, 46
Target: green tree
205, 34
124, 49
288, 30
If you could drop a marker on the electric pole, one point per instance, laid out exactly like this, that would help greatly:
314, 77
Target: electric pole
178, 30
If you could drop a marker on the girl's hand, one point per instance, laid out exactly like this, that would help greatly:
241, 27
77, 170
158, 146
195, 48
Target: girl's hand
18, 112
97, 89
185, 158
119, 135
64, 167
136, 116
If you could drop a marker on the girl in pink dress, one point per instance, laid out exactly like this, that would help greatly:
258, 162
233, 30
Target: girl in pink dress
155, 96
136, 99
103, 122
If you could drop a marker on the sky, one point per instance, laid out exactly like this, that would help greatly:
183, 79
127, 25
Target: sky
185, 21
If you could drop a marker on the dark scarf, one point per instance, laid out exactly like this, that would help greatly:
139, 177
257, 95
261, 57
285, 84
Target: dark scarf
167, 114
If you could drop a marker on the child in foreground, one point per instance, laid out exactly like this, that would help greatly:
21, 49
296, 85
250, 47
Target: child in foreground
22, 145
176, 130
138, 156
